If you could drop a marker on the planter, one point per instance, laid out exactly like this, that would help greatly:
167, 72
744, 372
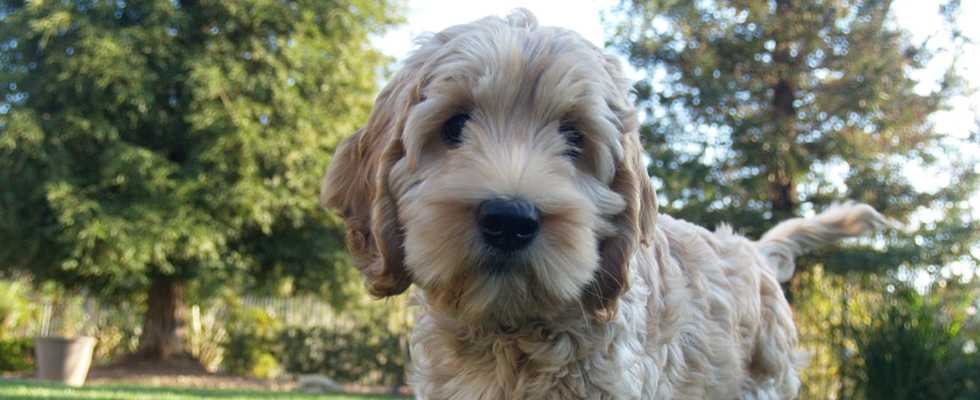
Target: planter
63, 360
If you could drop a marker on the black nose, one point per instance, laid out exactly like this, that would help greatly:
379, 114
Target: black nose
508, 224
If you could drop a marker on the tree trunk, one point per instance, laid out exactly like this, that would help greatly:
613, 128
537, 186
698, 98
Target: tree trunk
782, 193
164, 316
782, 189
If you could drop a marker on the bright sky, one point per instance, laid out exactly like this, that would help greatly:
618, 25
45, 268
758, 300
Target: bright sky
436, 15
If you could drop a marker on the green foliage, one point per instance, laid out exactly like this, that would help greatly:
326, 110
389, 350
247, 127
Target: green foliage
365, 354
179, 141
252, 344
881, 339
912, 349
117, 328
763, 110
14, 309
49, 309
181, 138
825, 301
16, 354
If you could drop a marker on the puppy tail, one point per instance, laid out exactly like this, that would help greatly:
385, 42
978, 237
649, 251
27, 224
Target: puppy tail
791, 238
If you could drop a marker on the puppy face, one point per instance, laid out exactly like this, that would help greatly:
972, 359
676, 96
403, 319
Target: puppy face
500, 172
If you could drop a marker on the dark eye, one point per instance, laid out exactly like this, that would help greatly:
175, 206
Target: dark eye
452, 131
574, 140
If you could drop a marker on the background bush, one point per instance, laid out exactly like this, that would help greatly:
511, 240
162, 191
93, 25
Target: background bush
360, 355
16, 354
913, 348
362, 346
252, 344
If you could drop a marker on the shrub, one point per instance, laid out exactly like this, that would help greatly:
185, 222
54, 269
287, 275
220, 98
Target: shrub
265, 366
118, 327
363, 354
16, 354
206, 336
252, 345
15, 310
912, 349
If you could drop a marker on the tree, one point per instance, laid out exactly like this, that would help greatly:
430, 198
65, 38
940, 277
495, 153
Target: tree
146, 144
763, 110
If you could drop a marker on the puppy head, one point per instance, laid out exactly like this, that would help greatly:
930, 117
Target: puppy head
501, 172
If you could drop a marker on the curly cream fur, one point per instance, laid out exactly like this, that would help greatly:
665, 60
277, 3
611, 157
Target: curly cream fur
610, 300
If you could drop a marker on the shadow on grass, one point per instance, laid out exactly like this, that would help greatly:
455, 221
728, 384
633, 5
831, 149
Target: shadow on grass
22, 389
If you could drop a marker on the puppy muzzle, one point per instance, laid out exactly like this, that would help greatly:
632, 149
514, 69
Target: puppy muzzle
508, 224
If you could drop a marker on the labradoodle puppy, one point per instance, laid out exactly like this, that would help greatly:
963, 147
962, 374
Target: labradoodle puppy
502, 174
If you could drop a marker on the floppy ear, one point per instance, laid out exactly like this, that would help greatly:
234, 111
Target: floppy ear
356, 185
357, 179
634, 225
637, 222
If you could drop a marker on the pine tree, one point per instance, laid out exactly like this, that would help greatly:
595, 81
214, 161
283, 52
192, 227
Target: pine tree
150, 143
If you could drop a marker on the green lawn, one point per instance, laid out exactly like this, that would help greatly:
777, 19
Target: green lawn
16, 389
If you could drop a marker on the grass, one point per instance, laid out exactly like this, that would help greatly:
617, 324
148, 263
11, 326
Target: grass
18, 389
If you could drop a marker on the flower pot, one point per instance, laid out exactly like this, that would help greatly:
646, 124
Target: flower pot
63, 360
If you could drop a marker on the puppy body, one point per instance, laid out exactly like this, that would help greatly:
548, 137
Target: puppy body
583, 291
704, 318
